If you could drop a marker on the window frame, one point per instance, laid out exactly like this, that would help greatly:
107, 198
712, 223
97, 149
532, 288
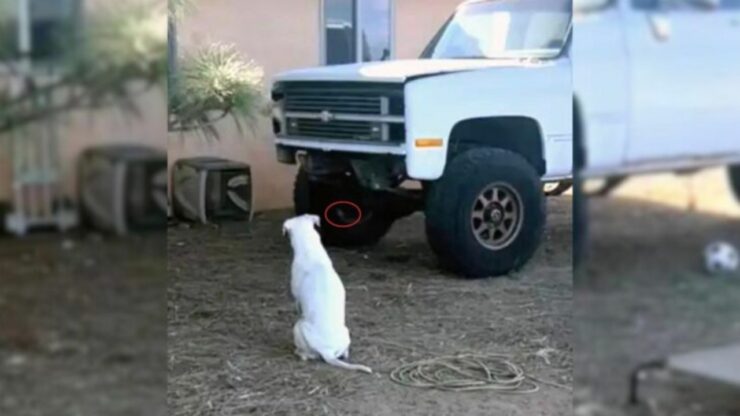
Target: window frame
24, 37
359, 47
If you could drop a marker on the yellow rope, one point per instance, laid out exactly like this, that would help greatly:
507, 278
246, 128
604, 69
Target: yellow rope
466, 373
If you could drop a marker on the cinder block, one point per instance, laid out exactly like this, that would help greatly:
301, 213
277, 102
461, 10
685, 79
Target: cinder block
207, 189
123, 188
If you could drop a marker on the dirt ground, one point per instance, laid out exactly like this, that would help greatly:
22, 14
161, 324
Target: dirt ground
644, 295
82, 331
230, 320
81, 328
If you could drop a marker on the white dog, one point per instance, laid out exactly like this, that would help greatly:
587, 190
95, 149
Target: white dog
319, 294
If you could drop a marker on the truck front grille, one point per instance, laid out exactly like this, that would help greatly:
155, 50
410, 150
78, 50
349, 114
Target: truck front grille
353, 130
352, 111
312, 101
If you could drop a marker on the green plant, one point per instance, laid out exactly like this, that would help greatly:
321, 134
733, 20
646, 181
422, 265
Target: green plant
212, 84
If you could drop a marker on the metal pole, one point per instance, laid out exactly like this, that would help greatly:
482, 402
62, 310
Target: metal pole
46, 161
24, 35
358, 28
171, 53
20, 147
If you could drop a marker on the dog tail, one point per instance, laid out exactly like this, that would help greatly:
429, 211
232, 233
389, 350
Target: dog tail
336, 362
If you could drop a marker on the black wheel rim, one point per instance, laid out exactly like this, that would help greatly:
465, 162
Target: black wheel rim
497, 216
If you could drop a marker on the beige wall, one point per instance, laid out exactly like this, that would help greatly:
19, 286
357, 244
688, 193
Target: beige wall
281, 35
417, 21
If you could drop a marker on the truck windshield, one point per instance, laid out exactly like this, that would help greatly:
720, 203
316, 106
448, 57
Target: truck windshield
499, 29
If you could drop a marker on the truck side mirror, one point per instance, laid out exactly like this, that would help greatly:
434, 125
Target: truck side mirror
660, 26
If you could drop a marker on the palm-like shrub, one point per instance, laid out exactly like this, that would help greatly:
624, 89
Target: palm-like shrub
212, 84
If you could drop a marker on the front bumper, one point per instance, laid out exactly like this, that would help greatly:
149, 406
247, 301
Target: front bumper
296, 144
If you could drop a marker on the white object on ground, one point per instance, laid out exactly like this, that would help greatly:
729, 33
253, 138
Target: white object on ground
721, 257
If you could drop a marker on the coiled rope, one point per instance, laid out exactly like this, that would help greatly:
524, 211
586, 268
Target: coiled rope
466, 373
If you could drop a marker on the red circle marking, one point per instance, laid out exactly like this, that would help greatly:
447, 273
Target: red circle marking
352, 204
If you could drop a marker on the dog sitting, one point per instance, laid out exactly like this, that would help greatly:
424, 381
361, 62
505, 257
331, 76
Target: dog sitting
320, 333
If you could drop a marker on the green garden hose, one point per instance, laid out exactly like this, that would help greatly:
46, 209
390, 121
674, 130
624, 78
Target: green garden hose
466, 373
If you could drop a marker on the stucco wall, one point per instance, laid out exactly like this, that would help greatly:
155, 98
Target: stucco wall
417, 21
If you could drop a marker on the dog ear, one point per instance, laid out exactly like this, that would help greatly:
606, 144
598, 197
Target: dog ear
316, 220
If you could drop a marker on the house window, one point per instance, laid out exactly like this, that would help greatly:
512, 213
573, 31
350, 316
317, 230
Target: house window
357, 31
39, 29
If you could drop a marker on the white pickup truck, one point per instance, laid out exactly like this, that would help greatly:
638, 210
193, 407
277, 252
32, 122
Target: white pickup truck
481, 121
657, 83
657, 87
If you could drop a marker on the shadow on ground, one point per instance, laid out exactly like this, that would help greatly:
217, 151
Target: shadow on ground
644, 295
81, 326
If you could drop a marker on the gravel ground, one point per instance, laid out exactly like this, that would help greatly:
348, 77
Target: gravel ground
81, 328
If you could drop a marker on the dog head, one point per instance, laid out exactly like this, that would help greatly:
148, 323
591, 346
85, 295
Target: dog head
302, 222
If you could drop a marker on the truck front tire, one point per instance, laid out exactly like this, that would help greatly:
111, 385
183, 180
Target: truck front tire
485, 217
314, 197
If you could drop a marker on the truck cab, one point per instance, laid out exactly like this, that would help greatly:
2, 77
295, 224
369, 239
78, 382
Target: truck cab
657, 84
478, 122
657, 89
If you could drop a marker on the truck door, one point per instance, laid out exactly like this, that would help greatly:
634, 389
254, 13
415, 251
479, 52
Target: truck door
685, 78
599, 53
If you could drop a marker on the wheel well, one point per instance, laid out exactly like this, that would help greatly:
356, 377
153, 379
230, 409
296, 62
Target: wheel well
517, 134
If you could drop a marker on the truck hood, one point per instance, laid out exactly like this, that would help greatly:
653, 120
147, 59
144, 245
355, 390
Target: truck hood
393, 71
